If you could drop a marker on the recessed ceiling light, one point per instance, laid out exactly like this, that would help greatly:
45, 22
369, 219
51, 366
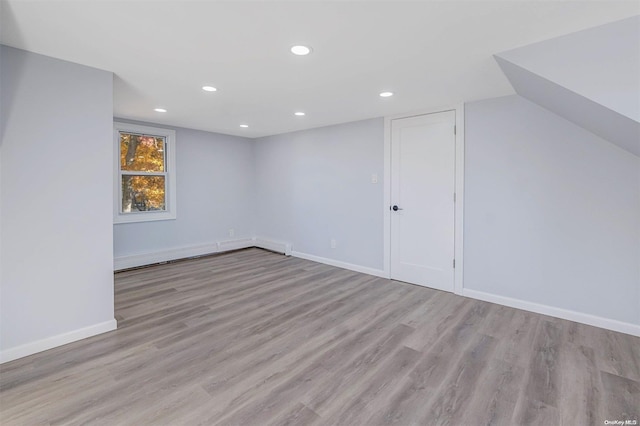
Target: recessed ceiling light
209, 88
299, 113
244, 125
386, 94
300, 50
160, 110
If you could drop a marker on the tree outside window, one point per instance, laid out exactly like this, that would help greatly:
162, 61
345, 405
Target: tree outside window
145, 174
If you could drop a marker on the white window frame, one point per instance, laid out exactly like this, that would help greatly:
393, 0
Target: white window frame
170, 174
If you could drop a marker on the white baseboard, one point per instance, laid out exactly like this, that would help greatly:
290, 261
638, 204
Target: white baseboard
235, 244
55, 341
609, 324
340, 264
142, 259
272, 245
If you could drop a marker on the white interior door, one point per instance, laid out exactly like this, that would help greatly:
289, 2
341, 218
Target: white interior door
422, 199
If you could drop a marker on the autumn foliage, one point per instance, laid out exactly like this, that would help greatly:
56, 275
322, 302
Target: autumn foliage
142, 164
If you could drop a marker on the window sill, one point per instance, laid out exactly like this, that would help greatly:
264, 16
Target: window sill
143, 217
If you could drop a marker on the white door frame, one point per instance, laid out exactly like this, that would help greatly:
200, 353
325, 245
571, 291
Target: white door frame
459, 188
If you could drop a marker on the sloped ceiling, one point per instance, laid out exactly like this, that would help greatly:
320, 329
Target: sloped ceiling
590, 77
429, 53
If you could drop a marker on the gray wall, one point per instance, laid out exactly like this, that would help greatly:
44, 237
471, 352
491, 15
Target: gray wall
589, 77
56, 197
315, 185
552, 212
600, 63
215, 193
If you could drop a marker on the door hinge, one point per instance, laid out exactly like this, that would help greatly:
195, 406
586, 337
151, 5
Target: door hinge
454, 264
454, 197
455, 129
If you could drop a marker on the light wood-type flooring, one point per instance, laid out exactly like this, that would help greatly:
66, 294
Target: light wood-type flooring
256, 338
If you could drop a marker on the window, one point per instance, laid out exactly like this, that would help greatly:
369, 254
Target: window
145, 187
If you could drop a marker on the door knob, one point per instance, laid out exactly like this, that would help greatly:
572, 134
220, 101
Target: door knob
395, 208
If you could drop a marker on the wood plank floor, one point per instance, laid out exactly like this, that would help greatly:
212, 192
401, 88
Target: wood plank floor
255, 338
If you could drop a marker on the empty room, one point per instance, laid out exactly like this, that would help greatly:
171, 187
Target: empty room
319, 212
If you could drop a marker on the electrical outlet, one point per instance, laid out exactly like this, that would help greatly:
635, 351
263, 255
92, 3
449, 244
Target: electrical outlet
334, 244
374, 178
232, 232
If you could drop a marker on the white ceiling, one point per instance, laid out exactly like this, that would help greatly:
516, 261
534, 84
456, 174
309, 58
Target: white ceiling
428, 53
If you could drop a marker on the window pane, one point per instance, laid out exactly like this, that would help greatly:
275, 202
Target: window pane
143, 193
141, 153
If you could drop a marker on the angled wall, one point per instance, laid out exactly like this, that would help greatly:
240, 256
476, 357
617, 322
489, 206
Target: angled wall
590, 77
